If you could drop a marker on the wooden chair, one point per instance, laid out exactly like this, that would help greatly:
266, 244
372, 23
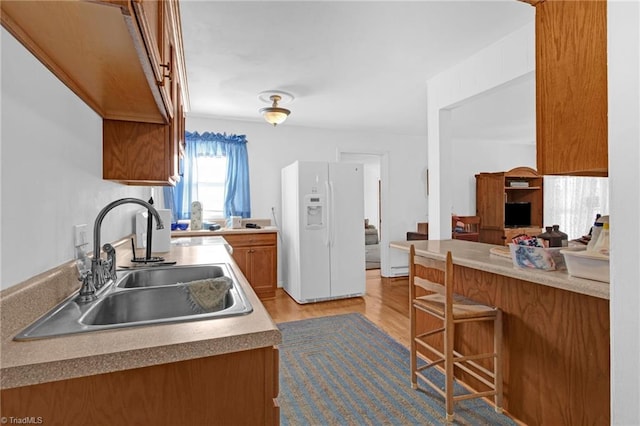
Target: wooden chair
421, 233
435, 297
470, 228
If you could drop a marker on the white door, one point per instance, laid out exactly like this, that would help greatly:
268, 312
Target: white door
346, 229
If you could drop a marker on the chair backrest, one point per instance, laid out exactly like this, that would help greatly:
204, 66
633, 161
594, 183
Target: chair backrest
468, 223
432, 276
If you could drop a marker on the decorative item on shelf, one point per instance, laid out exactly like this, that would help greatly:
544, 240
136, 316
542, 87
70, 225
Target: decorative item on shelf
234, 222
196, 216
275, 114
179, 226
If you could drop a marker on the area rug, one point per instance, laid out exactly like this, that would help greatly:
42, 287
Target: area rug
344, 370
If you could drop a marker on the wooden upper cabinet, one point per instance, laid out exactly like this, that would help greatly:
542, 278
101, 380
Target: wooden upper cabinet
95, 49
571, 87
124, 59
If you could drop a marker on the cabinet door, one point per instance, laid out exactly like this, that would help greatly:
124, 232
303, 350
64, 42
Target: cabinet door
257, 257
490, 200
137, 153
571, 87
175, 123
492, 236
157, 32
237, 388
263, 270
241, 257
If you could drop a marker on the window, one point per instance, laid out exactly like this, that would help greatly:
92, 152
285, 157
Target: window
573, 201
211, 177
215, 173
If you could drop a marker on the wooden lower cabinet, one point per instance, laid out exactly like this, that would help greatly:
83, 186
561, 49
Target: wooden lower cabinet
257, 256
239, 388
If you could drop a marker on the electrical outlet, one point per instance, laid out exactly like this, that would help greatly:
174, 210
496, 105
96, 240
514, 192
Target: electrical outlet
80, 235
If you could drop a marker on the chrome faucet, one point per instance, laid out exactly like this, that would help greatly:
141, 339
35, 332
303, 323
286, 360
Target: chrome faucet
102, 270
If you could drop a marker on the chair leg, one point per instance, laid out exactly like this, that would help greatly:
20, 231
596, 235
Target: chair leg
413, 356
448, 366
497, 363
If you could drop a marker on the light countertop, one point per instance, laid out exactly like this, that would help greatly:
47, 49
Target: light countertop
224, 231
477, 256
37, 361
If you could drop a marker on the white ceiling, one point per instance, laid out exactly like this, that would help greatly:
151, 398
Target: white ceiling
349, 64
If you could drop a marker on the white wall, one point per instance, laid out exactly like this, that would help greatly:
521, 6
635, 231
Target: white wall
371, 174
508, 61
475, 156
270, 149
51, 170
623, 38
492, 132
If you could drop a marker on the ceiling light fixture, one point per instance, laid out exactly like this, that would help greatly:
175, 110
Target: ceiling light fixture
275, 114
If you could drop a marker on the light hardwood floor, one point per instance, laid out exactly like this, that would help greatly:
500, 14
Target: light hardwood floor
386, 304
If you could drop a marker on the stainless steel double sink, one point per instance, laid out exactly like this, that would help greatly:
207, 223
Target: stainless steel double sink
144, 296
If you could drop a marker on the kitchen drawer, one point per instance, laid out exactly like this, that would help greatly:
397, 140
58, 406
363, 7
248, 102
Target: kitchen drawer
255, 239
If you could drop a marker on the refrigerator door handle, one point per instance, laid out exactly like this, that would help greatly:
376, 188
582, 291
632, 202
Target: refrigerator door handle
327, 228
332, 218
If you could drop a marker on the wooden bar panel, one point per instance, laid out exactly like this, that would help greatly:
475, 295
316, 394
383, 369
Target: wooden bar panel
556, 348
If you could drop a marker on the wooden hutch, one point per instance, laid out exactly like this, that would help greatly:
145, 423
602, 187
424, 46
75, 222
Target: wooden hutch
494, 191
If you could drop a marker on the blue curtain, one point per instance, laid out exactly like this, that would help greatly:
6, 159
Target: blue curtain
237, 191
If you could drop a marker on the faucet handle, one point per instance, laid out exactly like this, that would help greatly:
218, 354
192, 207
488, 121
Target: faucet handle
88, 290
110, 263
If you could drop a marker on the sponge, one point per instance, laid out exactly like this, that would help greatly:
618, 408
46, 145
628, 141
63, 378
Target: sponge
207, 295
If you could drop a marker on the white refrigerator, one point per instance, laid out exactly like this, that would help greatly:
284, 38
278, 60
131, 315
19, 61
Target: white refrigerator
323, 230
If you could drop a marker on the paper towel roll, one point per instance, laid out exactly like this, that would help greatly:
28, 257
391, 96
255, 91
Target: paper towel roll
161, 241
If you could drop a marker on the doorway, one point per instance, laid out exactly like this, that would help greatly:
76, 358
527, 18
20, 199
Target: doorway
372, 220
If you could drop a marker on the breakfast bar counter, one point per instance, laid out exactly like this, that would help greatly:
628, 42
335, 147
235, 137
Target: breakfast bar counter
556, 333
478, 256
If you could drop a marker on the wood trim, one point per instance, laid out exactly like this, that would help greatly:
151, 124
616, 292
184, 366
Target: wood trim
522, 172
